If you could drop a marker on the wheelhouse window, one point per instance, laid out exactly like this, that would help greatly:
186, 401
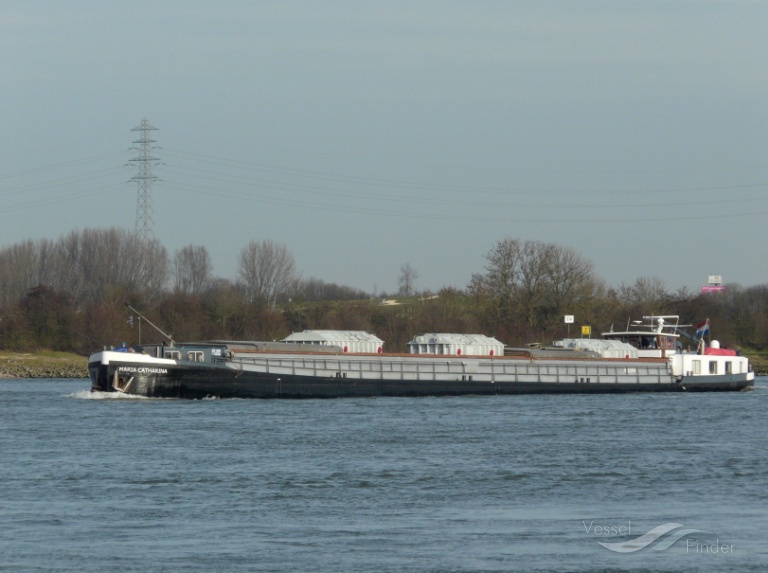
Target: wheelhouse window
696, 367
195, 356
713, 366
173, 354
729, 367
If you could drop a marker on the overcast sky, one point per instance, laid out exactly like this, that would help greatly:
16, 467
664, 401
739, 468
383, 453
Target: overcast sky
365, 135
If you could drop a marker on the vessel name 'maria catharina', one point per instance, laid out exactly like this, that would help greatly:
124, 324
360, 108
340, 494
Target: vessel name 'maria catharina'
646, 357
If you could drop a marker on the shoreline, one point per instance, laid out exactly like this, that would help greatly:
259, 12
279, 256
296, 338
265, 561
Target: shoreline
15, 365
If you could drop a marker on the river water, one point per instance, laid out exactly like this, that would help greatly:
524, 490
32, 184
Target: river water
96, 482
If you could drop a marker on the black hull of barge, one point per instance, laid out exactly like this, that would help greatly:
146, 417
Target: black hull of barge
201, 383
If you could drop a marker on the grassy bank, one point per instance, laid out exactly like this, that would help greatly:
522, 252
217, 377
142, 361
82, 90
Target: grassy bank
42, 364
758, 359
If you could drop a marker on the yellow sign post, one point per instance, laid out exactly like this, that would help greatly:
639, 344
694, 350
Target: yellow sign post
586, 330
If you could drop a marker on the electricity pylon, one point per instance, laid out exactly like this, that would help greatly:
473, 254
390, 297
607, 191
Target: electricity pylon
144, 179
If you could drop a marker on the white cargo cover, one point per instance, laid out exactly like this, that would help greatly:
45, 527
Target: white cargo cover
446, 343
606, 348
347, 340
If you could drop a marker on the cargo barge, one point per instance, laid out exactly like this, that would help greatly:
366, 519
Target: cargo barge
647, 357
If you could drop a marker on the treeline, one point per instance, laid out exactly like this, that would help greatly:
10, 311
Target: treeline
71, 295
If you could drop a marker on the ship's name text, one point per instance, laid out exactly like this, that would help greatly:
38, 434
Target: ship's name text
142, 370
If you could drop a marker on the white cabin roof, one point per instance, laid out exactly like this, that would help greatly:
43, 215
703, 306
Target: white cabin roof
638, 333
605, 348
332, 336
451, 338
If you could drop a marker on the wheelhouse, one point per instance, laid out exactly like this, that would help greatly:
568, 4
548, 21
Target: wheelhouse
654, 336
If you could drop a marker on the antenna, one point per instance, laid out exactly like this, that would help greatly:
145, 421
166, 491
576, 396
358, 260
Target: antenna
144, 179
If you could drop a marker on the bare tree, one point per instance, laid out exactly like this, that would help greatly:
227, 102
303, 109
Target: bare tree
267, 269
155, 270
30, 264
407, 280
18, 271
191, 269
85, 265
109, 258
648, 292
572, 284
88, 264
535, 282
502, 275
534, 278
501, 280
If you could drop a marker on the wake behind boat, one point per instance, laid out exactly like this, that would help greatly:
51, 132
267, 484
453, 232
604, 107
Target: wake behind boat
646, 357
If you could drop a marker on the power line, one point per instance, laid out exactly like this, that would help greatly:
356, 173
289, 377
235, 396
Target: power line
438, 187
57, 166
494, 216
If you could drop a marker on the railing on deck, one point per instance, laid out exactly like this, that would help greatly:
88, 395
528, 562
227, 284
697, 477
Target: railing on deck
469, 369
